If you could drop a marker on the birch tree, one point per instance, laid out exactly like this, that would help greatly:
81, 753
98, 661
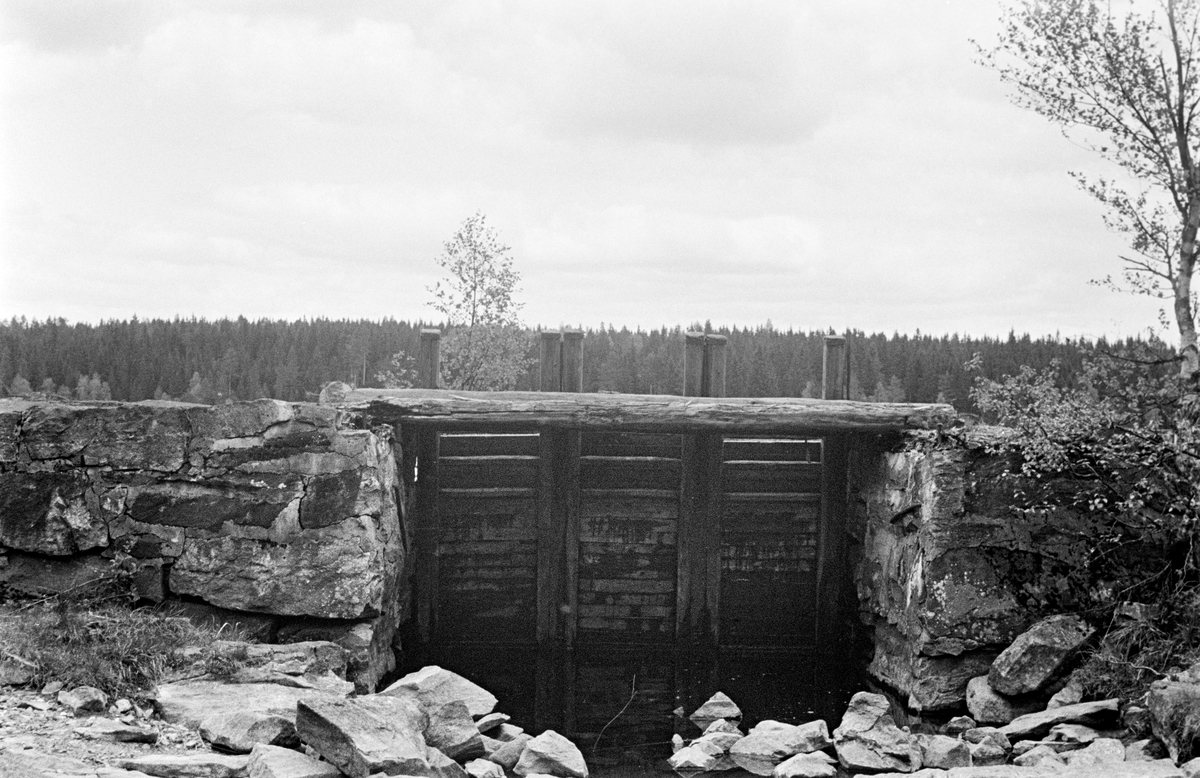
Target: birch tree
486, 348
1120, 78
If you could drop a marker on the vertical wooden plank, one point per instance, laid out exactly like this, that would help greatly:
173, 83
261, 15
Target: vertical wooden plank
557, 575
831, 542
551, 362
835, 377
429, 359
693, 364
572, 361
550, 548
567, 499
550, 573
711, 475
569, 496
425, 520
714, 365
699, 539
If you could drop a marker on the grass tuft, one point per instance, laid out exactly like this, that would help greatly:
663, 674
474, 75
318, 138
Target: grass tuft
95, 641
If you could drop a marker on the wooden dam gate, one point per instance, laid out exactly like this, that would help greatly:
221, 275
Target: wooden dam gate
599, 561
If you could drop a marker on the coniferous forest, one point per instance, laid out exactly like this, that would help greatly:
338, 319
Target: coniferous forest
213, 361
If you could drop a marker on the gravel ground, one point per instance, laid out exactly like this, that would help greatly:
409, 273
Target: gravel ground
37, 726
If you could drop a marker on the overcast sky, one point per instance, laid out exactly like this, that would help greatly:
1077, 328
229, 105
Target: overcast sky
815, 163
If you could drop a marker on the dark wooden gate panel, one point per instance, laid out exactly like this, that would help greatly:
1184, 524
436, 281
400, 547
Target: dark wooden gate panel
770, 520
628, 510
604, 563
487, 538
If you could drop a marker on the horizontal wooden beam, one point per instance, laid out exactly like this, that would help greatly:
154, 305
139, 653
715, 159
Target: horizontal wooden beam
644, 412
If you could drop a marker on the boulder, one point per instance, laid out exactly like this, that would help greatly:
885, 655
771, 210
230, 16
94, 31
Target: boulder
268, 761
869, 740
119, 731
1175, 716
15, 671
506, 732
987, 706
801, 738
442, 766
760, 752
342, 567
509, 752
1076, 734
719, 742
722, 725
1038, 654
240, 731
452, 731
988, 735
693, 759
1035, 725
83, 700
959, 725
489, 722
190, 703
805, 766
987, 753
483, 768
718, 706
1145, 750
552, 754
365, 735
1040, 755
191, 765
1068, 695
943, 751
1191, 768
433, 687
1102, 751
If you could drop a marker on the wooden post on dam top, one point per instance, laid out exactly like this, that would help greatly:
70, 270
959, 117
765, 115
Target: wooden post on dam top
561, 361
835, 372
704, 365
429, 363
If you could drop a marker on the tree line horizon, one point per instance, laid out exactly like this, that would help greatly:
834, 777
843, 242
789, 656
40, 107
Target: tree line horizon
219, 360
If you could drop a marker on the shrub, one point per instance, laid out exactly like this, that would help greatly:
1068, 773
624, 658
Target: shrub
1124, 437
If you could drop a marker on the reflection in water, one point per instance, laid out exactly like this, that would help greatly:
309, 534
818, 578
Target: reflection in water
617, 702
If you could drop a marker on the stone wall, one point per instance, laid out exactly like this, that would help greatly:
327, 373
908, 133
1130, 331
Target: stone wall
949, 567
279, 516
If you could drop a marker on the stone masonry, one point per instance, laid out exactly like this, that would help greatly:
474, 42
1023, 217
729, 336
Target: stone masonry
278, 515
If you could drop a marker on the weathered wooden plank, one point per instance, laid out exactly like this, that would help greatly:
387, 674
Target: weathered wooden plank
623, 530
476, 445
630, 444
490, 472
792, 498
760, 449
633, 497
629, 473
749, 476
519, 502
645, 413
